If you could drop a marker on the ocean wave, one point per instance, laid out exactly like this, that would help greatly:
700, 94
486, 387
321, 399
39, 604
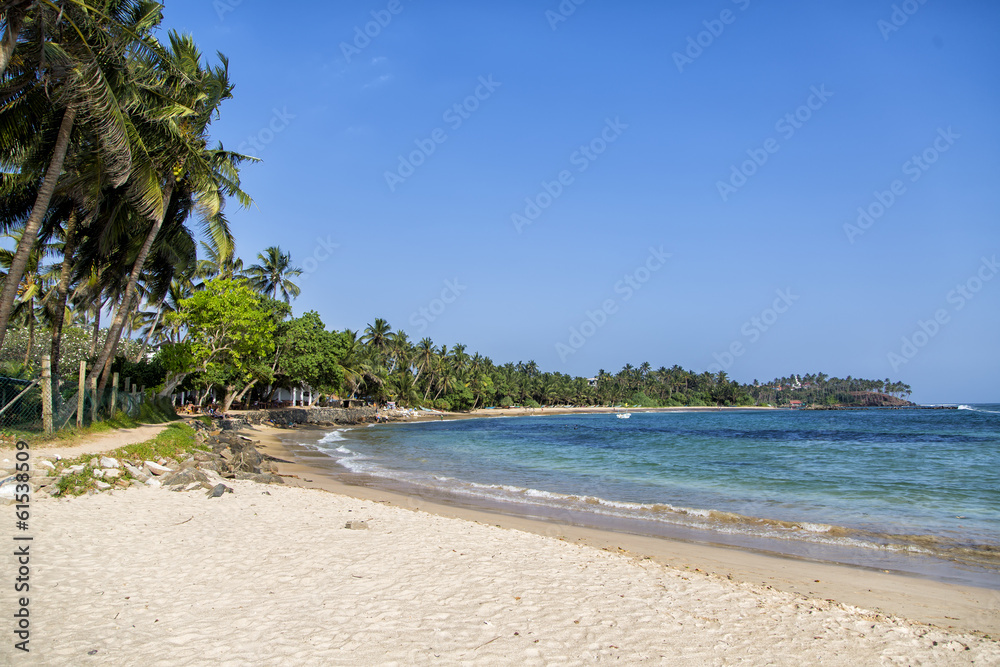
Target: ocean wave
332, 436
975, 409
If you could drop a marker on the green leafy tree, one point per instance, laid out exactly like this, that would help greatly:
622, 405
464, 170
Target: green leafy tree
309, 354
231, 335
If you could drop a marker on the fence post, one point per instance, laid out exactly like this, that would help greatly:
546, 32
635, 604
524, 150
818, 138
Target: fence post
128, 381
114, 393
81, 394
93, 400
46, 395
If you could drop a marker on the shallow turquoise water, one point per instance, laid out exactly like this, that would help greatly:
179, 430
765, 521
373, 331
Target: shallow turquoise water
909, 481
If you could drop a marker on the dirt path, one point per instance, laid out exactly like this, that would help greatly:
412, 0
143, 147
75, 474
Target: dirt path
99, 442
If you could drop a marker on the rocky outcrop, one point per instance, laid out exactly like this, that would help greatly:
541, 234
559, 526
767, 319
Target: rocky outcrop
318, 416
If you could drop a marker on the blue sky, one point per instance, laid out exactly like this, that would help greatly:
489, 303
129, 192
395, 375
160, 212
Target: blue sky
739, 138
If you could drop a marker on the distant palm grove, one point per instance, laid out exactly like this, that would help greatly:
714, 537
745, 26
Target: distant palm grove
113, 200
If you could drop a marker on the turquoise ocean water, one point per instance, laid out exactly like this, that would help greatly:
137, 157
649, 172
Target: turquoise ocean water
908, 490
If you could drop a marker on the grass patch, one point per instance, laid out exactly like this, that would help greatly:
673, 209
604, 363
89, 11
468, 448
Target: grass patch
176, 442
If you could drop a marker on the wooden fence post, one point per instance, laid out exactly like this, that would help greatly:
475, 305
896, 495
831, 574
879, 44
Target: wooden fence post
47, 394
81, 394
93, 400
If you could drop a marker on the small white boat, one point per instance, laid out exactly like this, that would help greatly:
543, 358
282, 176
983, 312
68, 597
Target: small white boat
623, 415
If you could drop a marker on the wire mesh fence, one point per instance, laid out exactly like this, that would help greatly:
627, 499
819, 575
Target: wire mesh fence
20, 404
22, 408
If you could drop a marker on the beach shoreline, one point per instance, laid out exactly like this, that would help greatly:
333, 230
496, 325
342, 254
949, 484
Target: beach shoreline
947, 605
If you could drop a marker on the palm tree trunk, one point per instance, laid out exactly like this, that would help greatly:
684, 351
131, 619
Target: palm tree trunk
31, 332
145, 342
94, 337
118, 325
30, 234
62, 291
239, 396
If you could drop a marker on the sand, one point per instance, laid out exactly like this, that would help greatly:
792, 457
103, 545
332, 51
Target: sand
268, 575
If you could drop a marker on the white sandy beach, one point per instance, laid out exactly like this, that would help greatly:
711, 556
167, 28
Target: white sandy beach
268, 575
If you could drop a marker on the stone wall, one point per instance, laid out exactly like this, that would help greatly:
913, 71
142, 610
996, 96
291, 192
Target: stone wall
321, 416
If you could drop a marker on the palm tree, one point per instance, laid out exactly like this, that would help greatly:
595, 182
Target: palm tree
78, 87
34, 283
378, 336
424, 357
194, 178
220, 261
273, 275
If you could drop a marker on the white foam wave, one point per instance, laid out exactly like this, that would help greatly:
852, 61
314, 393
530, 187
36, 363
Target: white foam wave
332, 436
815, 527
974, 409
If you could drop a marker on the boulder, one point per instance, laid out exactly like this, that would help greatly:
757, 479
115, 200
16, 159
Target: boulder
218, 490
214, 466
48, 465
102, 485
40, 482
8, 488
186, 477
74, 470
262, 478
111, 473
108, 462
135, 472
156, 468
98, 473
246, 458
153, 482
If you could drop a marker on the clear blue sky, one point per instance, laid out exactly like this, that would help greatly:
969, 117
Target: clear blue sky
666, 121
